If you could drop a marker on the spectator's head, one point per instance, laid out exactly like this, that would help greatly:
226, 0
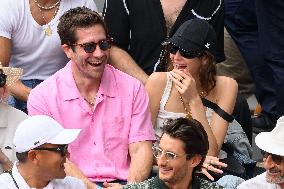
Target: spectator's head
191, 50
85, 41
8, 76
41, 144
182, 149
272, 145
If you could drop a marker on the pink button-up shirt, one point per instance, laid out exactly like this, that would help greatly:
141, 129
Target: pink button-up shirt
119, 117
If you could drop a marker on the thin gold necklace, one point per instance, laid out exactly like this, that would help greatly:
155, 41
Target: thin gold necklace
46, 8
48, 30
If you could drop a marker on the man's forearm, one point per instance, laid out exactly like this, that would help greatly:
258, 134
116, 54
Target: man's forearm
123, 61
19, 91
141, 164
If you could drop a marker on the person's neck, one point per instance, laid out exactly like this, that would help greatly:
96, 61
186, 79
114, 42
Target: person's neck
32, 177
88, 87
185, 183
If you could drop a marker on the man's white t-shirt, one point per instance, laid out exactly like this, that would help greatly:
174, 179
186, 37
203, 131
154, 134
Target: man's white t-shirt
38, 54
258, 182
6, 182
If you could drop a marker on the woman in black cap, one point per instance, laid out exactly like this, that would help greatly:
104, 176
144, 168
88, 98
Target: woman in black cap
179, 92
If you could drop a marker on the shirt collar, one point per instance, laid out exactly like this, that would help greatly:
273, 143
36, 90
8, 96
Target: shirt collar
108, 85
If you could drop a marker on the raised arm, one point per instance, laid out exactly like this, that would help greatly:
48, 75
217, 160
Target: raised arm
226, 93
121, 60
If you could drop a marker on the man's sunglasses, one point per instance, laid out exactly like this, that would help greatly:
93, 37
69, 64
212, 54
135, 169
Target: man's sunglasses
275, 158
104, 45
186, 54
61, 149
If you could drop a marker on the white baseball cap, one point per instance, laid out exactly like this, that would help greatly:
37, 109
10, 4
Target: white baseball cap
272, 142
40, 129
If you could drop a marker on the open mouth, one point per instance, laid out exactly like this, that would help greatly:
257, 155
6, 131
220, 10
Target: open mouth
180, 66
95, 63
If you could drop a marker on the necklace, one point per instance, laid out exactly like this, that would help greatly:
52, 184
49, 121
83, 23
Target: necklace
185, 109
91, 103
48, 30
47, 8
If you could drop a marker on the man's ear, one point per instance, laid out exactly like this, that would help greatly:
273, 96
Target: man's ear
33, 156
195, 160
68, 50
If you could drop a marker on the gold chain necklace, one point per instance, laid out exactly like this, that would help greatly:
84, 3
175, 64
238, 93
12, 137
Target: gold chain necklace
188, 112
46, 8
48, 30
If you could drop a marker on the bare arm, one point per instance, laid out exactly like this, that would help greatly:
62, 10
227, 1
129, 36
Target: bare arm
141, 161
188, 90
123, 61
18, 90
72, 170
155, 86
227, 89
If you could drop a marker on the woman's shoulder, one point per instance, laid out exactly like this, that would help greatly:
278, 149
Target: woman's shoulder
226, 82
157, 81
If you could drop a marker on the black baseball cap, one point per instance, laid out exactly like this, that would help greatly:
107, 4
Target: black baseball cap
195, 35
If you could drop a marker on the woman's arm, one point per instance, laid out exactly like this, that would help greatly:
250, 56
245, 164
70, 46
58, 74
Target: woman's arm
186, 86
226, 93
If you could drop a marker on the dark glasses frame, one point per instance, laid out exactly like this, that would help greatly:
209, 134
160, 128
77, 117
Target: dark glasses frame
186, 54
61, 149
3, 78
104, 45
275, 158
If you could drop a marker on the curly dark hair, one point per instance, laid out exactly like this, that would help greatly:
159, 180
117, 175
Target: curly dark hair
192, 134
71, 20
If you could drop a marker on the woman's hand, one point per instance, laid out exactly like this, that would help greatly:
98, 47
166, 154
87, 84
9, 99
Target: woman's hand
213, 164
185, 84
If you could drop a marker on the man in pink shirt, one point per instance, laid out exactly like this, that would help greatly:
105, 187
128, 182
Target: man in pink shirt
109, 106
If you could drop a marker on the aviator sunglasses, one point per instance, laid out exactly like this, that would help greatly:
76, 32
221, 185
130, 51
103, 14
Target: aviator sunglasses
186, 54
276, 158
61, 149
104, 45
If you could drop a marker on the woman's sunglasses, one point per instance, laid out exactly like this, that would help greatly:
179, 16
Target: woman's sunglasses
104, 45
3, 78
186, 54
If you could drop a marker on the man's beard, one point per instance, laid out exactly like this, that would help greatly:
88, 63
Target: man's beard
276, 180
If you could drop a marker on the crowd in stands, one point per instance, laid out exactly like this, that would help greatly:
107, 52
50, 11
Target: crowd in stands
139, 96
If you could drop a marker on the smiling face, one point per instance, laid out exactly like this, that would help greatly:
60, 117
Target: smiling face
88, 65
274, 171
178, 170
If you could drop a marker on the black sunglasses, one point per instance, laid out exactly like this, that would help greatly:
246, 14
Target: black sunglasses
186, 54
61, 149
3, 78
276, 158
104, 45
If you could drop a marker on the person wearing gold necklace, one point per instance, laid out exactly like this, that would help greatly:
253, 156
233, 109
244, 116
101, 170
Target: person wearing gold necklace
29, 40
192, 75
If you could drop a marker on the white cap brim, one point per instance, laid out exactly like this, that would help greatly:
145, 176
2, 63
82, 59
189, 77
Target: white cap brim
66, 136
269, 143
